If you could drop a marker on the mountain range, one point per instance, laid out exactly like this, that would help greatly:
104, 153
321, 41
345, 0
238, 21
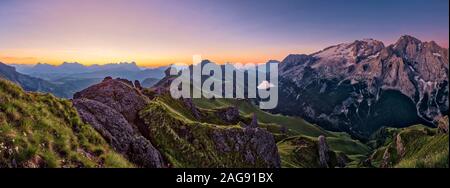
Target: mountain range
358, 104
360, 86
76, 70
30, 83
68, 78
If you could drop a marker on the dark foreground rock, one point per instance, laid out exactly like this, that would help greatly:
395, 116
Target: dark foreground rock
253, 143
112, 107
117, 94
119, 133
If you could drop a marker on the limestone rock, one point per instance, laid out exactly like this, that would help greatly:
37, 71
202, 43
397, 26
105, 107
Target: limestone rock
443, 125
253, 143
119, 133
324, 158
118, 95
343, 87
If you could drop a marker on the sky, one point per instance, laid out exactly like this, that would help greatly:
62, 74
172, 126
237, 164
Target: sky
161, 32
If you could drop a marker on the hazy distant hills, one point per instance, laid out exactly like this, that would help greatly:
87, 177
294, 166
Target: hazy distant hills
30, 83
149, 82
74, 67
74, 77
76, 70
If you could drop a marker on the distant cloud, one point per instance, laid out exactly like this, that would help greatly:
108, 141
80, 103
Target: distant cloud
265, 85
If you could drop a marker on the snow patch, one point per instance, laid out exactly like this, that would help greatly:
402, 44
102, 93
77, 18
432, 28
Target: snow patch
374, 56
437, 54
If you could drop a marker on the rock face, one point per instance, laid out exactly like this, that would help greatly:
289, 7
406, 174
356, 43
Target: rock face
443, 125
386, 163
254, 122
137, 84
119, 133
358, 87
229, 114
399, 146
190, 105
253, 143
118, 94
112, 107
324, 158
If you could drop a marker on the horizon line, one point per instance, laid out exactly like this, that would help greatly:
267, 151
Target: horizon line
155, 64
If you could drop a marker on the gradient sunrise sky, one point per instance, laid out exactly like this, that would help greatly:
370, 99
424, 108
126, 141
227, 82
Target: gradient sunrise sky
159, 32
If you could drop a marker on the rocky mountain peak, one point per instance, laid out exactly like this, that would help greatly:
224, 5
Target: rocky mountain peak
407, 40
354, 50
407, 46
355, 75
295, 58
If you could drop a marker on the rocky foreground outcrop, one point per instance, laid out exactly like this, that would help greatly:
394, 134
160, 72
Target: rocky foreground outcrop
360, 86
118, 132
118, 94
155, 130
112, 107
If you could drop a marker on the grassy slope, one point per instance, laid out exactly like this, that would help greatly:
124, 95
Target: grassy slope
298, 125
303, 152
186, 142
43, 131
338, 142
293, 156
424, 148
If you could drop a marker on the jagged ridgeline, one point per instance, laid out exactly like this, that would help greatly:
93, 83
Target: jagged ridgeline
40, 130
359, 87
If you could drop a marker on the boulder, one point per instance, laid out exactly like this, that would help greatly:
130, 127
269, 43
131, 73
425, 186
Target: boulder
118, 95
323, 148
229, 114
253, 144
254, 123
399, 146
119, 133
443, 125
137, 85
